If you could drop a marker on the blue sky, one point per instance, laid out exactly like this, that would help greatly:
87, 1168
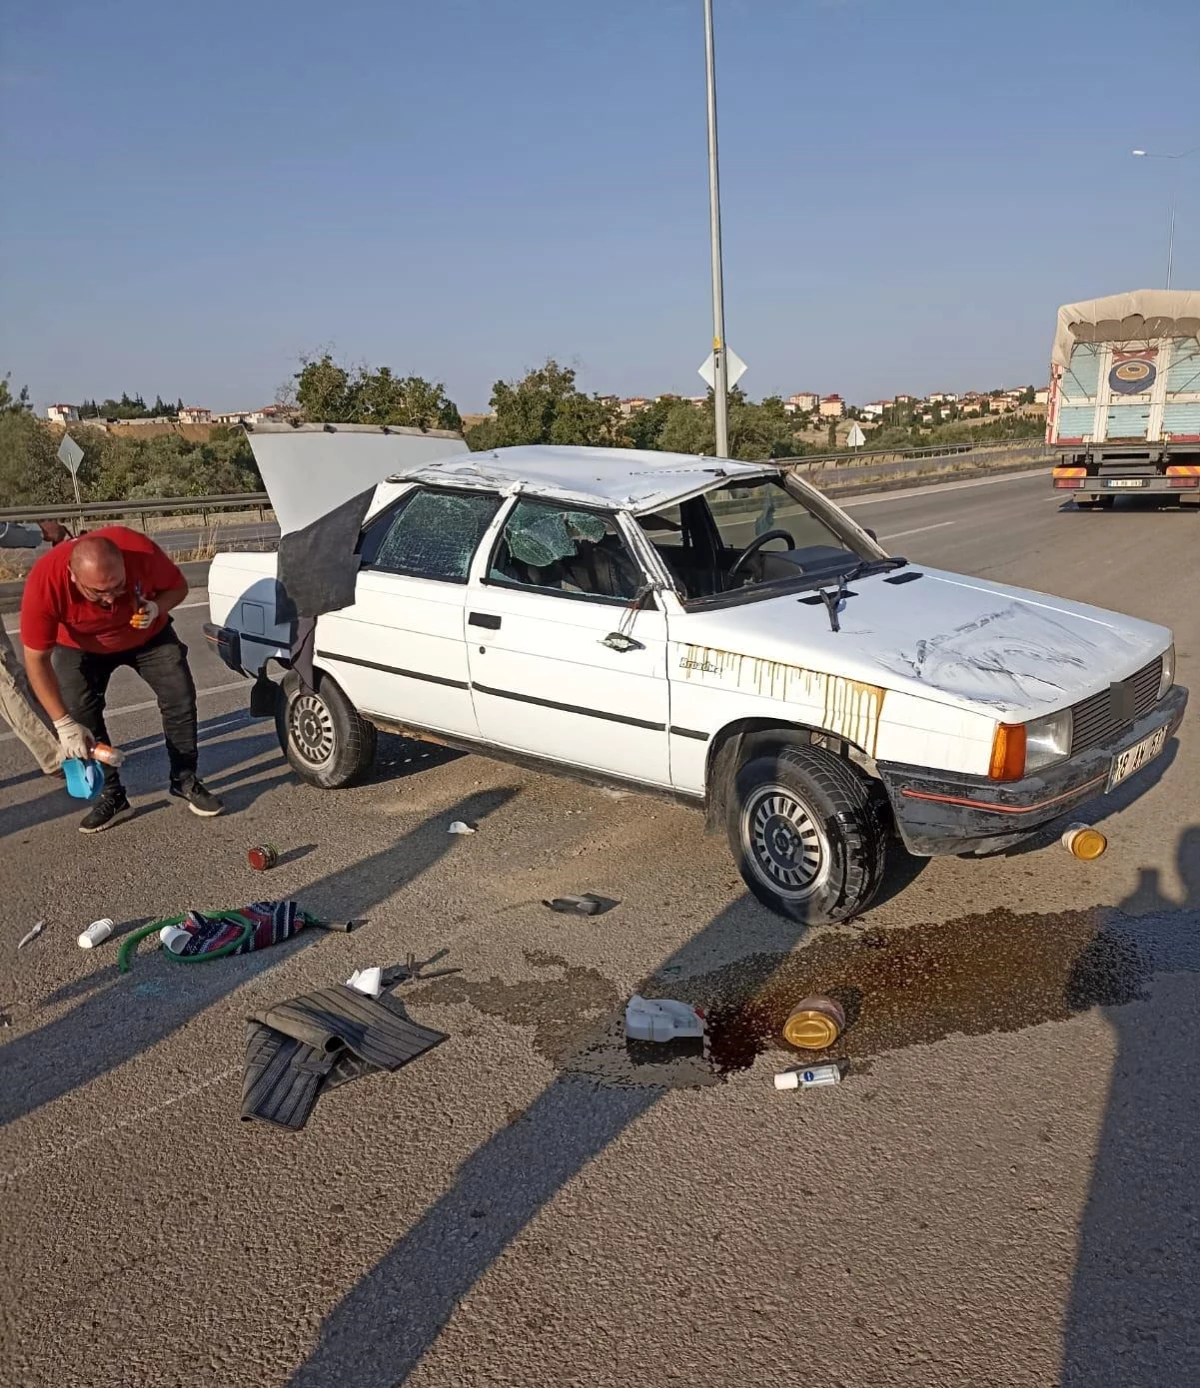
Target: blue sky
195, 195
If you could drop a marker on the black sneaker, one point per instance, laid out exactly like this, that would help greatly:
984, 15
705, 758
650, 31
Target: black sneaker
112, 807
200, 801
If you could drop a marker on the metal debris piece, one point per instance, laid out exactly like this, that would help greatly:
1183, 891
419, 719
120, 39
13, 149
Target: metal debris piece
411, 971
31, 935
586, 905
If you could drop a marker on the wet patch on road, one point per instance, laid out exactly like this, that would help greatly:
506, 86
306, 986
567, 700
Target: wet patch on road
915, 985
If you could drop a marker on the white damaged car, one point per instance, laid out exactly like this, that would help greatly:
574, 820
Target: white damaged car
714, 630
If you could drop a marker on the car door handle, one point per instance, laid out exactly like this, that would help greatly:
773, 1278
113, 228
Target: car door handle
489, 620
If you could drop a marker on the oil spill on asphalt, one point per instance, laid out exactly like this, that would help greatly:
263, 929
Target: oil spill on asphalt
1000, 971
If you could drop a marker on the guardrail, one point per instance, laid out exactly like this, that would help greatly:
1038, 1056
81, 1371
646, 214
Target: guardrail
179, 505
261, 502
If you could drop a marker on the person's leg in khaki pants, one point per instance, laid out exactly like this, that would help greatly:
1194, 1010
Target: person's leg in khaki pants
20, 711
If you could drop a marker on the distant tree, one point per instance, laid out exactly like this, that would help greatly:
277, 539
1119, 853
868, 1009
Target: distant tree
544, 406
1027, 396
644, 429
833, 433
9, 405
327, 392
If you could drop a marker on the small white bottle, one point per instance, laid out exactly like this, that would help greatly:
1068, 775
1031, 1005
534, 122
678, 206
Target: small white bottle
815, 1077
97, 932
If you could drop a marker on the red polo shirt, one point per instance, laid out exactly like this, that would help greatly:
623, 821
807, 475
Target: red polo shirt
55, 613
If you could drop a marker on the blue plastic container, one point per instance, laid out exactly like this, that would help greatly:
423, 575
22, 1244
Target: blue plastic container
85, 779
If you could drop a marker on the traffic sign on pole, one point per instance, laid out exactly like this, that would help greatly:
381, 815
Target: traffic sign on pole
70, 455
735, 369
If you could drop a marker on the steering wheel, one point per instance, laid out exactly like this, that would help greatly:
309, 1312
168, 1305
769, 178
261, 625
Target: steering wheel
756, 544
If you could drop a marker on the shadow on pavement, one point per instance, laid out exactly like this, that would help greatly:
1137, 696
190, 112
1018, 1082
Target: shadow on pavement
110, 1027
1133, 1318
381, 1330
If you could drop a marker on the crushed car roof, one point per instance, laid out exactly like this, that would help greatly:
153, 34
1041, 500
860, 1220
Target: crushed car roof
626, 479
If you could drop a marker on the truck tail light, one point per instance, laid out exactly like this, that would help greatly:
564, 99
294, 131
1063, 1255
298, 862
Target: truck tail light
1179, 475
1069, 476
1008, 753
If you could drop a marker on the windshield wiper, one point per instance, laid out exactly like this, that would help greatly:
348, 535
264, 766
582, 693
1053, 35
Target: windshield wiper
833, 598
866, 567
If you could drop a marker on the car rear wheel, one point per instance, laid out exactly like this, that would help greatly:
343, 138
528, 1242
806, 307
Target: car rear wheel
807, 835
325, 741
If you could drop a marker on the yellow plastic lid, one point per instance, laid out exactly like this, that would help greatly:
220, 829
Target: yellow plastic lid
815, 1024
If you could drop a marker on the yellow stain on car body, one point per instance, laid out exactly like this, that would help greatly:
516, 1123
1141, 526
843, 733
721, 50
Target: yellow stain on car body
849, 708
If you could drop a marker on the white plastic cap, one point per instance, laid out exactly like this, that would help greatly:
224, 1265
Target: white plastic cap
788, 1079
173, 938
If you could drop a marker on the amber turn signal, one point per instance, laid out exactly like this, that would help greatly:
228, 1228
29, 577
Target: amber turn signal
1008, 753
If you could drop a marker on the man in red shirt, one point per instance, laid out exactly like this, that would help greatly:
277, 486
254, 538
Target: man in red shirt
94, 604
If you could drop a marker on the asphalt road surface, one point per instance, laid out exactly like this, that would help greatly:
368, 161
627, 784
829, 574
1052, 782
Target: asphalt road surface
1003, 1192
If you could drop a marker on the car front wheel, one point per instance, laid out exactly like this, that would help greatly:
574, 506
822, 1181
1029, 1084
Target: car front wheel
325, 741
809, 839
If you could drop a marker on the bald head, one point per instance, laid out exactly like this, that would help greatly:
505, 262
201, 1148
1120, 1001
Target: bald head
98, 568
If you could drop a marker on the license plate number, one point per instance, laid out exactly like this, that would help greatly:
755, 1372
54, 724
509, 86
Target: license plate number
1125, 482
1132, 759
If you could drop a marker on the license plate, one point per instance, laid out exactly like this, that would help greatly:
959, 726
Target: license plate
1125, 482
1132, 759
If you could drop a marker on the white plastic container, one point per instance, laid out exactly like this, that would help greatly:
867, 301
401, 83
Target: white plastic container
661, 1019
95, 933
173, 938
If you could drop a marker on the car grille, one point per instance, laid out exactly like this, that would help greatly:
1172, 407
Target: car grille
1094, 723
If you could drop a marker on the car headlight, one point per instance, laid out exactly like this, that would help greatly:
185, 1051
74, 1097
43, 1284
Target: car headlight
1019, 748
1047, 740
1168, 671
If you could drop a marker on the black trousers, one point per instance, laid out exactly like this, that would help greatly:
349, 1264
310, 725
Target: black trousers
83, 678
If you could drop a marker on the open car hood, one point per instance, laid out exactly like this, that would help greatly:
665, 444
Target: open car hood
310, 469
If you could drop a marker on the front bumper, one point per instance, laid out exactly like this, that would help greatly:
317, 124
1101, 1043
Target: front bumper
939, 812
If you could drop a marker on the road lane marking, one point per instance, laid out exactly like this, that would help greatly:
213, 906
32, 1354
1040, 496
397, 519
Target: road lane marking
905, 493
920, 530
55, 1153
149, 704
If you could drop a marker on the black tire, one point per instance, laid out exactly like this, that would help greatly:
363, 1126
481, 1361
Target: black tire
325, 741
1085, 503
1106, 503
808, 835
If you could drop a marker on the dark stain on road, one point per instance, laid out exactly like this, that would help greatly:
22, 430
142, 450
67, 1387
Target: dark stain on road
1000, 971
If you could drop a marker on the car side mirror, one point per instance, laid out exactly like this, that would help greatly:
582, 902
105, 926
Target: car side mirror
872, 534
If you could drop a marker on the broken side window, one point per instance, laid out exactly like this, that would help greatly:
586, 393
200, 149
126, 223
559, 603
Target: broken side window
435, 534
559, 549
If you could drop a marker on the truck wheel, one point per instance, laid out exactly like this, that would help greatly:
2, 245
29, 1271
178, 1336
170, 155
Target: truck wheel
1085, 503
325, 741
1106, 503
807, 835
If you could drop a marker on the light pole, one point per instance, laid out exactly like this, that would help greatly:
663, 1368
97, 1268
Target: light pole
1183, 154
720, 359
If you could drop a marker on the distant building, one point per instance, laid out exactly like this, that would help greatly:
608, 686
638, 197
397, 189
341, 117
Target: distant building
1042, 397
635, 405
195, 414
832, 407
874, 409
61, 414
905, 400
259, 416
943, 397
803, 402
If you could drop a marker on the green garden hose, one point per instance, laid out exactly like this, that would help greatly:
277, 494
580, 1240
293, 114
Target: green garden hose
130, 943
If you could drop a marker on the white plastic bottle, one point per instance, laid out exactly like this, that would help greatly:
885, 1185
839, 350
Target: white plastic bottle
661, 1019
